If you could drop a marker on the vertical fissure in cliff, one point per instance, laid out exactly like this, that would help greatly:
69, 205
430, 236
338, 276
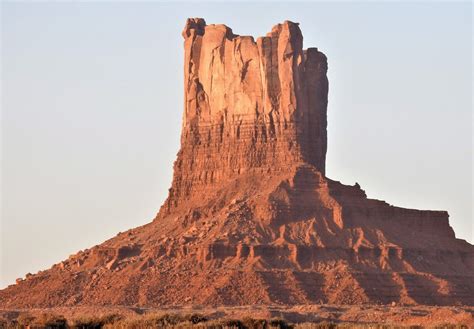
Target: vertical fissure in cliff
260, 104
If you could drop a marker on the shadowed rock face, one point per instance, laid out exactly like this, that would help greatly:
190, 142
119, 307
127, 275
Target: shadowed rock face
251, 217
249, 105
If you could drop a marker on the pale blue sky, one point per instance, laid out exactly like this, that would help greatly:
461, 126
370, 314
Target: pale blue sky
92, 104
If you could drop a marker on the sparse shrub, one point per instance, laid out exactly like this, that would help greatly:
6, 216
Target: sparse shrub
95, 322
279, 323
170, 319
49, 321
451, 326
319, 325
194, 321
3, 323
111, 318
9, 324
196, 318
251, 323
179, 321
86, 323
231, 323
159, 321
25, 319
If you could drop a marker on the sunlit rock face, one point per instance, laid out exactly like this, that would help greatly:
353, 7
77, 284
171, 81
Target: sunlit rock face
251, 217
249, 105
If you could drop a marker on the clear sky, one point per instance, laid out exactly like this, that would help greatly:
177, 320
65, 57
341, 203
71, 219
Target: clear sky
92, 105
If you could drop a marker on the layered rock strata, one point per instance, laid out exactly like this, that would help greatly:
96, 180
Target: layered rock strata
248, 105
251, 217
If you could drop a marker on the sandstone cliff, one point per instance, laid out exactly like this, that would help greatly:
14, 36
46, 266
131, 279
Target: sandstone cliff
251, 217
248, 106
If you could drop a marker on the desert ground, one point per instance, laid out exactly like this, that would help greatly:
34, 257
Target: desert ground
301, 316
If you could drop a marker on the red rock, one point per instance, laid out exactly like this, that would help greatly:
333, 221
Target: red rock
248, 106
251, 217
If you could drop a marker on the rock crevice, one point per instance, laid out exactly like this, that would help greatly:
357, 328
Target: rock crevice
249, 105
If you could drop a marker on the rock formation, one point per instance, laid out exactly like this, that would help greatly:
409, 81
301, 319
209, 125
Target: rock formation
251, 216
248, 106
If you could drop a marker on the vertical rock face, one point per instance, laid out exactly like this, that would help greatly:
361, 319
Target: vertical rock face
251, 217
248, 105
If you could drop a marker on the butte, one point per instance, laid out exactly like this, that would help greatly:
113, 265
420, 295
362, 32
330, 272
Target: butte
251, 217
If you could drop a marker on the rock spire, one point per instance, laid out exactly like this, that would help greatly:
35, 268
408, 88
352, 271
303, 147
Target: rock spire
248, 105
251, 217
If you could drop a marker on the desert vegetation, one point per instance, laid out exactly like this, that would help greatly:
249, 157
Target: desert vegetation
170, 320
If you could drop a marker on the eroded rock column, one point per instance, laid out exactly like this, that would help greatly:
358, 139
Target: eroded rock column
248, 105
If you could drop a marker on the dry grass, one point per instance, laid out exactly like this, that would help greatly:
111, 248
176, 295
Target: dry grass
178, 321
146, 321
45, 320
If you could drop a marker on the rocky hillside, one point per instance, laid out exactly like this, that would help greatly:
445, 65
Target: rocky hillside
251, 217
